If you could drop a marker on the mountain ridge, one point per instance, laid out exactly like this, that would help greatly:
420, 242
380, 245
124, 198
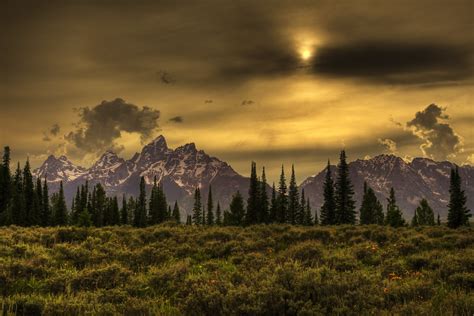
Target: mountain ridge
184, 168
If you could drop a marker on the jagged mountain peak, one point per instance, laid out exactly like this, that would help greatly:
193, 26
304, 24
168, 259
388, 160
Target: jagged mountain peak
412, 181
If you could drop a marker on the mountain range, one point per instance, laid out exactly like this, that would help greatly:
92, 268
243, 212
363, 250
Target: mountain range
183, 169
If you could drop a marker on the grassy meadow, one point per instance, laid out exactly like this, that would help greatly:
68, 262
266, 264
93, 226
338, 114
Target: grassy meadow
259, 270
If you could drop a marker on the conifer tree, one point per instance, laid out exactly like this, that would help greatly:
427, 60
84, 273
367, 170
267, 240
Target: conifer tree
302, 220
124, 211
99, 206
328, 209
263, 200
140, 218
189, 220
237, 210
316, 218
32, 218
424, 214
84, 219
154, 204
176, 215
251, 216
131, 206
272, 216
345, 205
394, 216
115, 212
282, 199
371, 210
458, 213
38, 202
60, 208
438, 221
197, 208
46, 210
307, 216
17, 210
203, 212
294, 215
163, 207
218, 214
5, 185
210, 208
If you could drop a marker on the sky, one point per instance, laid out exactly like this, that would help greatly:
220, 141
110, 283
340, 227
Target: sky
277, 82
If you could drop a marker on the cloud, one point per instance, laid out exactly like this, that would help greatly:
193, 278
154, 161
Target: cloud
176, 119
55, 129
394, 62
247, 102
46, 138
390, 145
165, 78
99, 127
440, 141
470, 160
208, 101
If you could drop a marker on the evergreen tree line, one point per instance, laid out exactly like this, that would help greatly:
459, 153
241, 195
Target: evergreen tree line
285, 205
25, 202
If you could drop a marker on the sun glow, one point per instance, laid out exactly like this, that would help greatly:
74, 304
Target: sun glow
306, 54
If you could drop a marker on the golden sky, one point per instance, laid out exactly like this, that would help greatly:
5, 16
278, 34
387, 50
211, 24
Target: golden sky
271, 81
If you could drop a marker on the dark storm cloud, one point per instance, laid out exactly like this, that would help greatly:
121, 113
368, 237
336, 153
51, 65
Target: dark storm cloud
389, 62
177, 119
440, 141
99, 127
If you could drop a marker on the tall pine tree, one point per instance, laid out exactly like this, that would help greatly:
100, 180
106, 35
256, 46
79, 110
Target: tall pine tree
458, 213
210, 208
273, 211
46, 210
60, 208
5, 186
197, 208
218, 214
237, 210
345, 204
328, 209
371, 210
124, 211
294, 215
263, 200
282, 199
251, 217
394, 216
140, 218
176, 215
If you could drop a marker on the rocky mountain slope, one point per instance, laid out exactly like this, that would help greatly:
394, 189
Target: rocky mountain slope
420, 178
183, 169
180, 171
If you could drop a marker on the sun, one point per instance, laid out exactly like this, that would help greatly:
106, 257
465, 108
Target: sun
306, 54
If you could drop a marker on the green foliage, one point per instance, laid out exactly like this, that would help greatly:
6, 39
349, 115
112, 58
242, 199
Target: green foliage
394, 215
371, 210
458, 213
198, 215
344, 192
328, 209
424, 215
257, 270
237, 211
